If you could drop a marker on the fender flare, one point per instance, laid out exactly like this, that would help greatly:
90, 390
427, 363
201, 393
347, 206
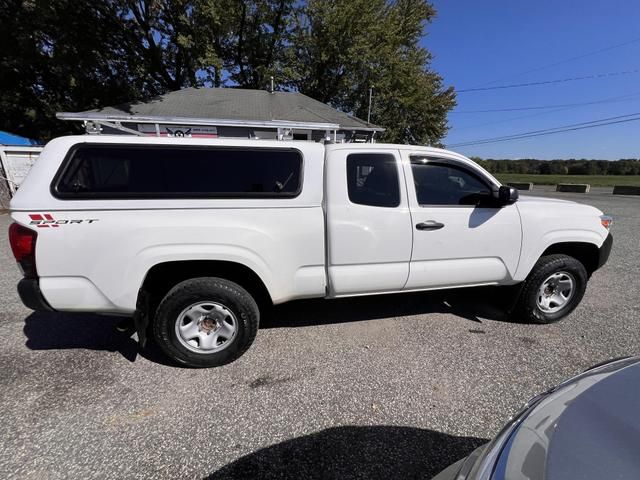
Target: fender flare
553, 238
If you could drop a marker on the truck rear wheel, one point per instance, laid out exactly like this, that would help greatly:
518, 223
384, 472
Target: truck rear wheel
553, 289
206, 322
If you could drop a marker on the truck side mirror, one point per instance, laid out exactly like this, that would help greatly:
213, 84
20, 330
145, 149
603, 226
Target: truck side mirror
507, 195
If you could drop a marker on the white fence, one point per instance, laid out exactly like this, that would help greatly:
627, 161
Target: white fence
15, 162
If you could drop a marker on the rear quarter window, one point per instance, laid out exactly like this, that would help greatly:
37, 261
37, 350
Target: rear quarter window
93, 171
372, 179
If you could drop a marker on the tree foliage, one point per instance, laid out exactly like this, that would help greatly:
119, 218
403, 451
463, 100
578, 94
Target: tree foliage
73, 55
61, 55
561, 167
343, 48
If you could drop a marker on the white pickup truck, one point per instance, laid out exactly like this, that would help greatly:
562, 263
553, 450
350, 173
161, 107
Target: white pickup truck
193, 237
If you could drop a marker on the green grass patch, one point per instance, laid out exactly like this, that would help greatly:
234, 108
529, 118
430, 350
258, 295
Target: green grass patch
593, 180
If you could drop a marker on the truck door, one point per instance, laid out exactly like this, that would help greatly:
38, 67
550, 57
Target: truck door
368, 221
459, 238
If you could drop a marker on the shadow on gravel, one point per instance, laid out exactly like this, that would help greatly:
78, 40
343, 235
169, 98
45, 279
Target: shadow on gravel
472, 304
61, 331
378, 452
56, 330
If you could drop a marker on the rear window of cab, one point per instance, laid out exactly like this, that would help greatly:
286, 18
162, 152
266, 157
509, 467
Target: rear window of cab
101, 171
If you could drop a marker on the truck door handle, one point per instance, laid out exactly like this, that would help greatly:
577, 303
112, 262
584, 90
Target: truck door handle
429, 225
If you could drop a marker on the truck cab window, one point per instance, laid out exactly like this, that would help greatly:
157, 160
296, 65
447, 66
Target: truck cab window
447, 184
372, 179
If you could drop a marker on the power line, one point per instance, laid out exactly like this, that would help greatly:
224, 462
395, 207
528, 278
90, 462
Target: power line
560, 108
523, 137
510, 119
545, 107
548, 82
543, 131
549, 131
566, 60
574, 124
544, 112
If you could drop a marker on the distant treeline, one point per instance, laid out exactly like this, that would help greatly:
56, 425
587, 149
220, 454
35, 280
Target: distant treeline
562, 167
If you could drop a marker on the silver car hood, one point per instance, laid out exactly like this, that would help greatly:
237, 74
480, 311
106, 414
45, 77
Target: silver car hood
587, 428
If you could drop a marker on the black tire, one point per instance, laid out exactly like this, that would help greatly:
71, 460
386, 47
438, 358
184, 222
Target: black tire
231, 296
527, 308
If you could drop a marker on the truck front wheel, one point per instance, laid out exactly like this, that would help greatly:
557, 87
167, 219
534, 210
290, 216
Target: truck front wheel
206, 322
553, 289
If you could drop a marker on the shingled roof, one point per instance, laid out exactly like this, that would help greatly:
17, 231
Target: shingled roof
229, 104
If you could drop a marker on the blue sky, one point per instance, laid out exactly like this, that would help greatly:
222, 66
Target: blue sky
489, 43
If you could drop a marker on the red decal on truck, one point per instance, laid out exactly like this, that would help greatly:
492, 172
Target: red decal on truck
46, 220
38, 220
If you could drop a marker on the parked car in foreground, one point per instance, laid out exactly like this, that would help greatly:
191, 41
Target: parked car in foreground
193, 236
586, 428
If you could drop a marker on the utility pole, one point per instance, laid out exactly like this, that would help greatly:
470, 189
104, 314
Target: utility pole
370, 97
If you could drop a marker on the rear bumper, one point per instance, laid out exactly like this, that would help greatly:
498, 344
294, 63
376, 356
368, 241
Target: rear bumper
605, 250
31, 296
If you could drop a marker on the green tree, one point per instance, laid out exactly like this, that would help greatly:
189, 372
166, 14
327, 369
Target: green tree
552, 167
210, 42
179, 43
61, 55
343, 48
72, 55
259, 44
483, 163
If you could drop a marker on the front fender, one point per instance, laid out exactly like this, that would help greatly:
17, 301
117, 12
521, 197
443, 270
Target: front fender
529, 257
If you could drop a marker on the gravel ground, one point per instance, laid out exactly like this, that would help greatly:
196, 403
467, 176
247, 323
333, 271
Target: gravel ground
380, 387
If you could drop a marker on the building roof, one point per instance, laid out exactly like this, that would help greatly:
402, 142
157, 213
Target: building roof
210, 105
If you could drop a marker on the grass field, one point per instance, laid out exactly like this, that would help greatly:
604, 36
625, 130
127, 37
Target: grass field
593, 180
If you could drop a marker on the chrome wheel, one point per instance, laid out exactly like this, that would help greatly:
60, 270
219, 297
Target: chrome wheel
206, 327
556, 292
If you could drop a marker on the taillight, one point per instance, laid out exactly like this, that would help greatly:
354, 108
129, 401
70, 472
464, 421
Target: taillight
23, 245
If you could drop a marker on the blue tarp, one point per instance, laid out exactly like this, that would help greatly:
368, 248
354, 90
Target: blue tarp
11, 139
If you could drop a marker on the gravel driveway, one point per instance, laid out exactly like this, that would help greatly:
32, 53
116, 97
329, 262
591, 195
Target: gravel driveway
394, 386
